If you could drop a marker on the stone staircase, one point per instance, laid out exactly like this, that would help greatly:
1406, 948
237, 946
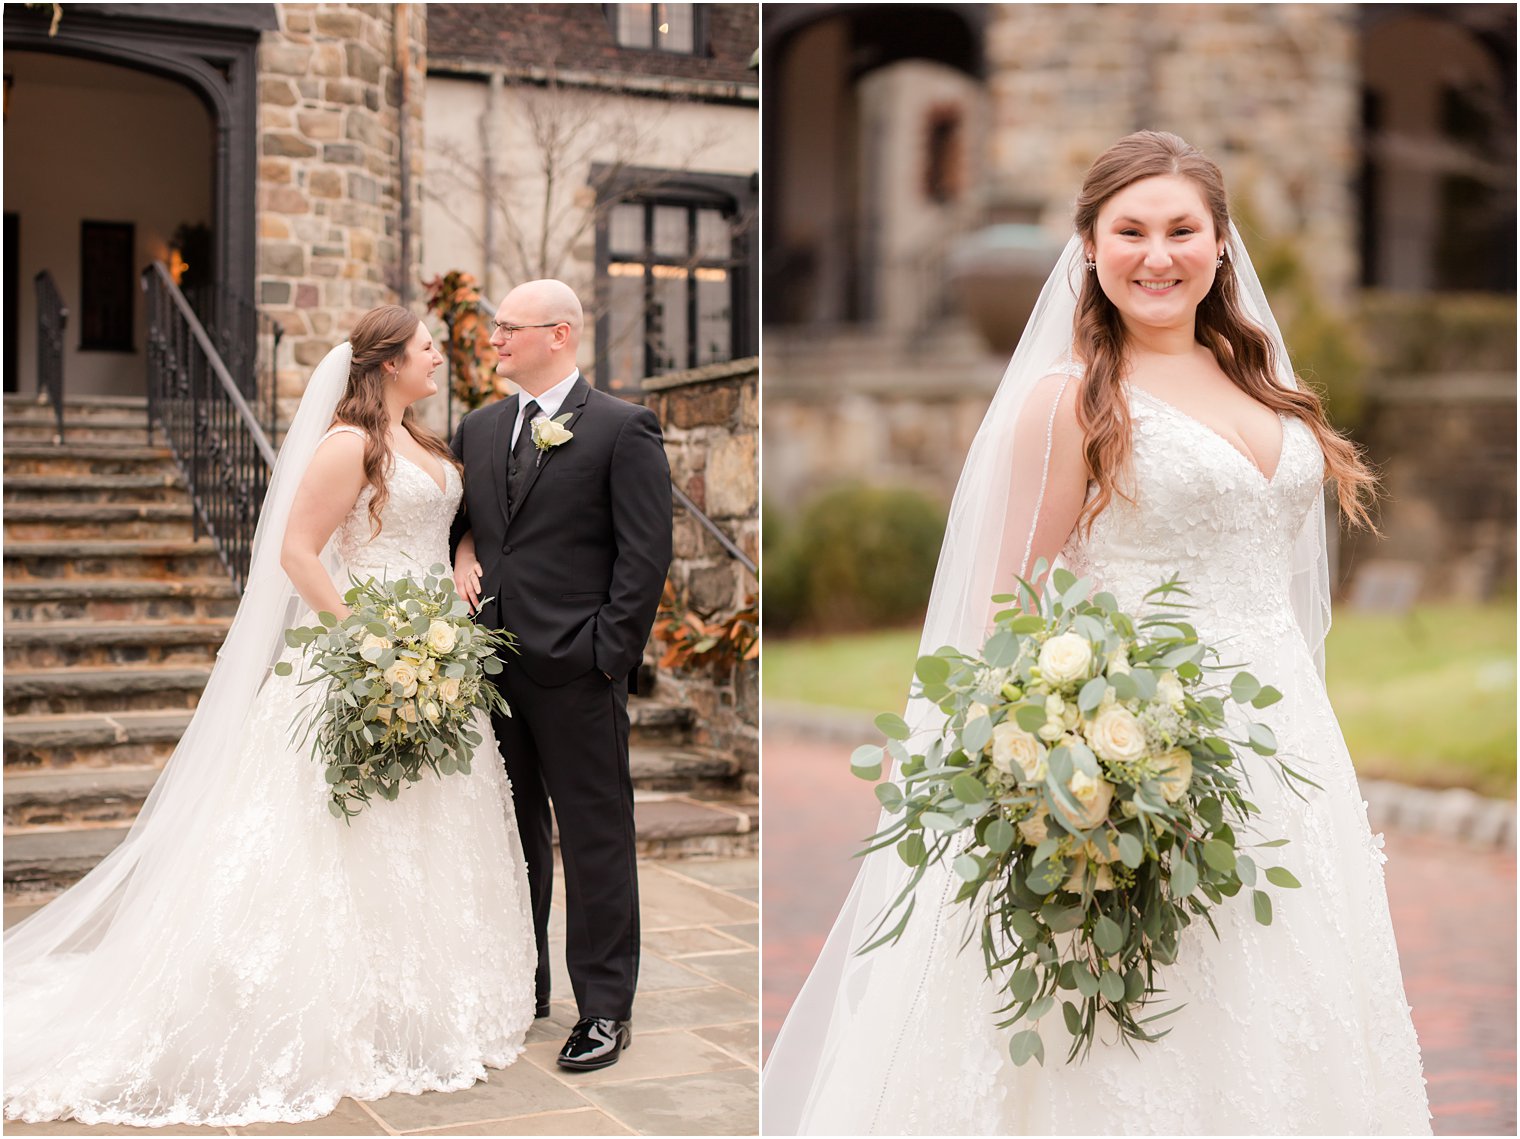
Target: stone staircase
113, 615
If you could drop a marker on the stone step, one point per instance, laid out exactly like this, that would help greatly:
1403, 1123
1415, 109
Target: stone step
95, 429
40, 863
657, 723
85, 459
177, 559
83, 691
138, 488
84, 798
141, 739
100, 644
117, 599
82, 406
98, 521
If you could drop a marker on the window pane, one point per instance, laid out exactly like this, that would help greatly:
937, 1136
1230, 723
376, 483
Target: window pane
676, 27
714, 239
625, 230
671, 238
625, 349
634, 27
668, 321
714, 316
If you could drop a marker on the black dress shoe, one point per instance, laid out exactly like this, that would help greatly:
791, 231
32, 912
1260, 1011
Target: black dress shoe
595, 1042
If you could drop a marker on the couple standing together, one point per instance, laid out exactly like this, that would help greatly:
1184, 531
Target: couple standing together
242, 957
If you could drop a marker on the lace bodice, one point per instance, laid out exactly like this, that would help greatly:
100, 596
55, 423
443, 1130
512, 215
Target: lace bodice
414, 523
1204, 510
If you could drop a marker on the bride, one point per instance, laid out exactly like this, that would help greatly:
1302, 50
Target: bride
243, 957
1148, 424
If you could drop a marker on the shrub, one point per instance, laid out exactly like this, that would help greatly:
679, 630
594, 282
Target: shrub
859, 557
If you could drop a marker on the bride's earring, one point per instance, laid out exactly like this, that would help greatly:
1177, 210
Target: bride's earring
1091, 265
1219, 262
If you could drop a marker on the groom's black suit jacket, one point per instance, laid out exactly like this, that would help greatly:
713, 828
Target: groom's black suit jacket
575, 567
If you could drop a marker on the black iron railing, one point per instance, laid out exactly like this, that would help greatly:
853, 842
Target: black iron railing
248, 342
217, 441
712, 528
52, 318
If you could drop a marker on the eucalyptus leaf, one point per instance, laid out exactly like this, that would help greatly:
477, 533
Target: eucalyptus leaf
932, 669
1184, 877
1111, 986
912, 850
1073, 1018
866, 760
999, 836
1023, 984
1087, 984
1282, 876
1026, 1045
977, 734
1266, 697
1107, 934
1263, 905
1131, 850
968, 866
1218, 854
891, 725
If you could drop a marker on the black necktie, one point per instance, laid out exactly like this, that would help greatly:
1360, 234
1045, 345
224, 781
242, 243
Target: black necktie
524, 445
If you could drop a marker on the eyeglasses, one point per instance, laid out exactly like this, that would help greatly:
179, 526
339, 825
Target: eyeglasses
510, 330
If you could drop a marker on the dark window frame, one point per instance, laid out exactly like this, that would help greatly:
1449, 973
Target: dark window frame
733, 195
701, 48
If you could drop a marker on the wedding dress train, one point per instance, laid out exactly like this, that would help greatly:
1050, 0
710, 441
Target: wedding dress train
271, 959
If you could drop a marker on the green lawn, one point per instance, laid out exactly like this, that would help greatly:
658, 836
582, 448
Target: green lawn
1426, 698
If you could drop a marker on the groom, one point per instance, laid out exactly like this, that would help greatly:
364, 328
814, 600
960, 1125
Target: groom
567, 496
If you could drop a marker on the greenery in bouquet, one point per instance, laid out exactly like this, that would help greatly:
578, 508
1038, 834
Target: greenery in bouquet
1088, 793
404, 674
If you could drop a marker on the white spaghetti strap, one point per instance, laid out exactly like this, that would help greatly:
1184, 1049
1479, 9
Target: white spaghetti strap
350, 428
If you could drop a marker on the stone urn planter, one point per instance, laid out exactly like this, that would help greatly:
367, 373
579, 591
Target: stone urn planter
997, 273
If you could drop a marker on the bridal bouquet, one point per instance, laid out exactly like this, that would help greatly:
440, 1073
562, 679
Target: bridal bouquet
1086, 791
405, 673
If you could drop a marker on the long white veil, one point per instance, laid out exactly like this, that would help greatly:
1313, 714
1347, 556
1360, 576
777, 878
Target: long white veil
162, 841
993, 519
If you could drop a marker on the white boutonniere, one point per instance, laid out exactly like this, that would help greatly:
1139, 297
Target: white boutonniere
549, 433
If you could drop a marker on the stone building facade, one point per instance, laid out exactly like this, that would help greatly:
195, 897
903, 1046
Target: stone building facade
341, 91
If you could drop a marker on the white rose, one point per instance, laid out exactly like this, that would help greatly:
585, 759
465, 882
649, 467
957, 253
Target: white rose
1052, 730
1104, 879
1092, 795
1065, 658
1169, 690
1013, 747
1175, 773
547, 433
448, 689
409, 713
1116, 735
1033, 829
1071, 716
1096, 853
441, 636
404, 673
1118, 661
372, 646
431, 712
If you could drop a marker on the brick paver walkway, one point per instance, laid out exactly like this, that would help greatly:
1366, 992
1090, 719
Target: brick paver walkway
692, 1069
1453, 913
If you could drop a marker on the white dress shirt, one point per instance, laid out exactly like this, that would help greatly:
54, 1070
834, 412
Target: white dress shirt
550, 401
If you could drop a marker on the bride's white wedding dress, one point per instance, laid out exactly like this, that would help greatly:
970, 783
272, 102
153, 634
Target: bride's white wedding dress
287, 960
1299, 1027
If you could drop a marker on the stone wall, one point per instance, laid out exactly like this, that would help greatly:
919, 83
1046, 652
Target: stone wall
711, 420
1269, 91
338, 84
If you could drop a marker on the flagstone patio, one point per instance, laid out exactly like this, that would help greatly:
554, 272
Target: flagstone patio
692, 1068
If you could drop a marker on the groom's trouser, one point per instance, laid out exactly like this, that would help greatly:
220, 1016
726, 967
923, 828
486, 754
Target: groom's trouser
569, 745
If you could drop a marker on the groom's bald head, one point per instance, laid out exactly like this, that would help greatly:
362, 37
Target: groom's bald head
548, 318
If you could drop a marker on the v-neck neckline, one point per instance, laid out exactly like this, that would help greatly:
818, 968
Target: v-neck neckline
1250, 460
443, 488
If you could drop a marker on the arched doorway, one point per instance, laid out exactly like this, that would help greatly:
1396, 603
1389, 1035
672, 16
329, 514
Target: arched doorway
870, 160
1438, 147
123, 124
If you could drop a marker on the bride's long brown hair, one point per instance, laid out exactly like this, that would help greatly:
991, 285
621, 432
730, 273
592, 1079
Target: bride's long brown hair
1243, 351
381, 337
